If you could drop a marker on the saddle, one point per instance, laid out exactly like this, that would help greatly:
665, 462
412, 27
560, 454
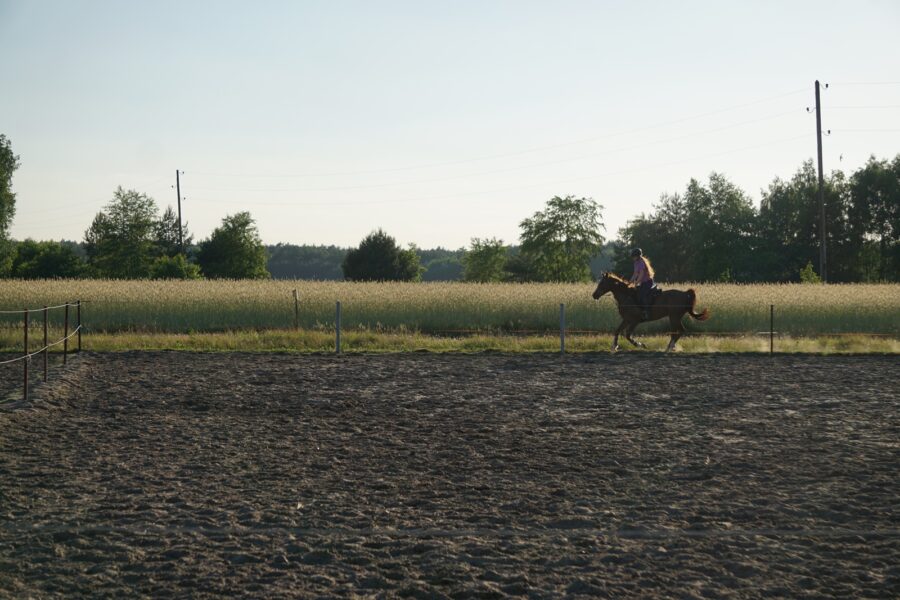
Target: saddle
649, 300
654, 293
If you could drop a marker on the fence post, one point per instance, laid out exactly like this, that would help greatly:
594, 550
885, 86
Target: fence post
771, 329
79, 325
337, 328
46, 349
562, 328
66, 335
296, 310
26, 359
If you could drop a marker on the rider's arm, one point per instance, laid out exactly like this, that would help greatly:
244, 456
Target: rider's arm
639, 269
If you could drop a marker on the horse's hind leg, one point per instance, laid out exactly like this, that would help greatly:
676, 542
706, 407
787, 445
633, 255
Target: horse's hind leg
628, 336
677, 330
615, 344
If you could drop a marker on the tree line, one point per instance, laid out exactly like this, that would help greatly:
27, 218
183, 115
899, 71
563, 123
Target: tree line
711, 232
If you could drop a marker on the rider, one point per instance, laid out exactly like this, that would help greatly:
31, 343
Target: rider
643, 279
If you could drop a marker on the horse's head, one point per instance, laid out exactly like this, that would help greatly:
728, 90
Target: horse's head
603, 286
607, 283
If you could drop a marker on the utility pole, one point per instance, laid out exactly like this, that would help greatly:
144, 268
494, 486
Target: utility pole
178, 187
822, 262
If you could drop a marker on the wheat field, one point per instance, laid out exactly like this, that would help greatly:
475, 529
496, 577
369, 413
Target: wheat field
177, 307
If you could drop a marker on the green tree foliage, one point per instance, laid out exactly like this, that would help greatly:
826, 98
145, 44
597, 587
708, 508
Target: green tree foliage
121, 242
378, 258
441, 264
46, 260
706, 234
808, 274
9, 162
520, 267
720, 223
561, 240
662, 236
174, 267
788, 234
289, 261
234, 250
485, 261
166, 234
874, 219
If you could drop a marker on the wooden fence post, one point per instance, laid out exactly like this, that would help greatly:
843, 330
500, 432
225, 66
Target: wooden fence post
562, 328
66, 336
337, 328
296, 310
771, 329
46, 349
26, 360
79, 325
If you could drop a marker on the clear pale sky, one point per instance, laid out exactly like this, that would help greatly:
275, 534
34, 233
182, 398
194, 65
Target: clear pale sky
437, 121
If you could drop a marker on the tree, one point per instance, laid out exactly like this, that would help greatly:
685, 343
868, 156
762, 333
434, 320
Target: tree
485, 261
662, 236
45, 260
874, 218
234, 250
442, 269
441, 264
379, 258
9, 162
561, 240
720, 220
288, 261
788, 227
808, 274
166, 235
121, 240
174, 267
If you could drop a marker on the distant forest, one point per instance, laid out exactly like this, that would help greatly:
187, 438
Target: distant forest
289, 261
710, 231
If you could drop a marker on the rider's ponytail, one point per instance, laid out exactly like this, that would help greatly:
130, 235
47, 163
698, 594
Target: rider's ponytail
647, 264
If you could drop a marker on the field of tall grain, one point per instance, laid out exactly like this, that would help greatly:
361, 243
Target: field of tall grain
437, 308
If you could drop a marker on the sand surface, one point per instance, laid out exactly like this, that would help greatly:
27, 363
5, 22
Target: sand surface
631, 476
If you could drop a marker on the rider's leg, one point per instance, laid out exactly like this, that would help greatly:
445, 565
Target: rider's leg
644, 299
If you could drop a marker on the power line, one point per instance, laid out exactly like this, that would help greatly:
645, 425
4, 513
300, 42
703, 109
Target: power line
866, 107
506, 169
508, 154
507, 189
866, 83
865, 130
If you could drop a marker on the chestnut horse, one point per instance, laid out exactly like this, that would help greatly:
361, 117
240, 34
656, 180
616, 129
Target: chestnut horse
670, 303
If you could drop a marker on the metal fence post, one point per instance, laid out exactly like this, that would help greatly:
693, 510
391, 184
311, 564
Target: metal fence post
46, 349
337, 328
25, 360
66, 336
562, 328
79, 325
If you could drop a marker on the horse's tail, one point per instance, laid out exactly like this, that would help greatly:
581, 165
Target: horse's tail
692, 301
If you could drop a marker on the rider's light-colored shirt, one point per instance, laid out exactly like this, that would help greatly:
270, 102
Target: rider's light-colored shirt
641, 275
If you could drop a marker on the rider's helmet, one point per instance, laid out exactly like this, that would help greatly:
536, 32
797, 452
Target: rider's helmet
636, 252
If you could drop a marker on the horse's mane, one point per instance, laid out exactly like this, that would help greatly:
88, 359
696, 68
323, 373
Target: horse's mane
615, 277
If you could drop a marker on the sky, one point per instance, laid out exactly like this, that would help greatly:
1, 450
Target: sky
436, 121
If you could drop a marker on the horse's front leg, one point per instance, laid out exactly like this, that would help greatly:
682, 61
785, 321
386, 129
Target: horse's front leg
615, 344
628, 336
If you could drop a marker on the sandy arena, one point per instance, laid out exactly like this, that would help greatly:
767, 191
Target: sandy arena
630, 476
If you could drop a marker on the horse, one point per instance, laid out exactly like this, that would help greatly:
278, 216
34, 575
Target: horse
670, 303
